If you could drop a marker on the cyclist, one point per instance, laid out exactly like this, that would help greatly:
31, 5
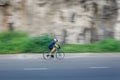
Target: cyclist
52, 46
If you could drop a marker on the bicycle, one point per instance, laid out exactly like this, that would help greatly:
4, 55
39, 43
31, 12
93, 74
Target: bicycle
59, 54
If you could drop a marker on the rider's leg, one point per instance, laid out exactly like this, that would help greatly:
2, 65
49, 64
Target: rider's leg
52, 51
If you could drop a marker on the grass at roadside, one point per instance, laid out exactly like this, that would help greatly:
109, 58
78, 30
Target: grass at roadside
105, 45
19, 42
77, 48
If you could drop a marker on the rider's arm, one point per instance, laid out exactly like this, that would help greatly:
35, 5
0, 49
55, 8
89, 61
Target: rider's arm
56, 45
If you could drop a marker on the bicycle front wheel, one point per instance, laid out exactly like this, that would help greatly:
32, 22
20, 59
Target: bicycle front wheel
60, 55
46, 55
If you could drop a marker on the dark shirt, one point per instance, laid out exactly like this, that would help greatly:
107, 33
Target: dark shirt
51, 45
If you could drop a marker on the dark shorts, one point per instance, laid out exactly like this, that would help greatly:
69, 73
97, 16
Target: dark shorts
51, 48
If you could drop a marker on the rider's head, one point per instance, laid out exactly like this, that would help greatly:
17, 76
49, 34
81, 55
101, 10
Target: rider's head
55, 40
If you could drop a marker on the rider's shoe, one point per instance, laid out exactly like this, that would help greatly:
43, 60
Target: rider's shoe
48, 55
52, 56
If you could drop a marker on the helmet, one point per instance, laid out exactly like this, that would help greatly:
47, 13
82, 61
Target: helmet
55, 40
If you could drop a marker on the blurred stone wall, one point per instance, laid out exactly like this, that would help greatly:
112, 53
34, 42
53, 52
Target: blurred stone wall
117, 25
71, 21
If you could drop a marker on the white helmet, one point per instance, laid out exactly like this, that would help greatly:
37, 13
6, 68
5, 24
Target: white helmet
55, 40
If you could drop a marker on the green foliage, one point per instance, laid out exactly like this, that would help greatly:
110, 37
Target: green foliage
105, 45
20, 42
12, 42
76, 48
37, 44
11, 35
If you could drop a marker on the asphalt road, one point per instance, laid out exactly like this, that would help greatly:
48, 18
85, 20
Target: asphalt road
73, 67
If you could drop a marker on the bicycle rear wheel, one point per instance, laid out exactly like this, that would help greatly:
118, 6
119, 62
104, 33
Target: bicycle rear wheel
60, 55
46, 55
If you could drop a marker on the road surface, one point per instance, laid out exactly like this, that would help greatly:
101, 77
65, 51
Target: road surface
73, 67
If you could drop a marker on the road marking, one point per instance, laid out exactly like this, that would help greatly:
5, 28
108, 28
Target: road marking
102, 67
30, 69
